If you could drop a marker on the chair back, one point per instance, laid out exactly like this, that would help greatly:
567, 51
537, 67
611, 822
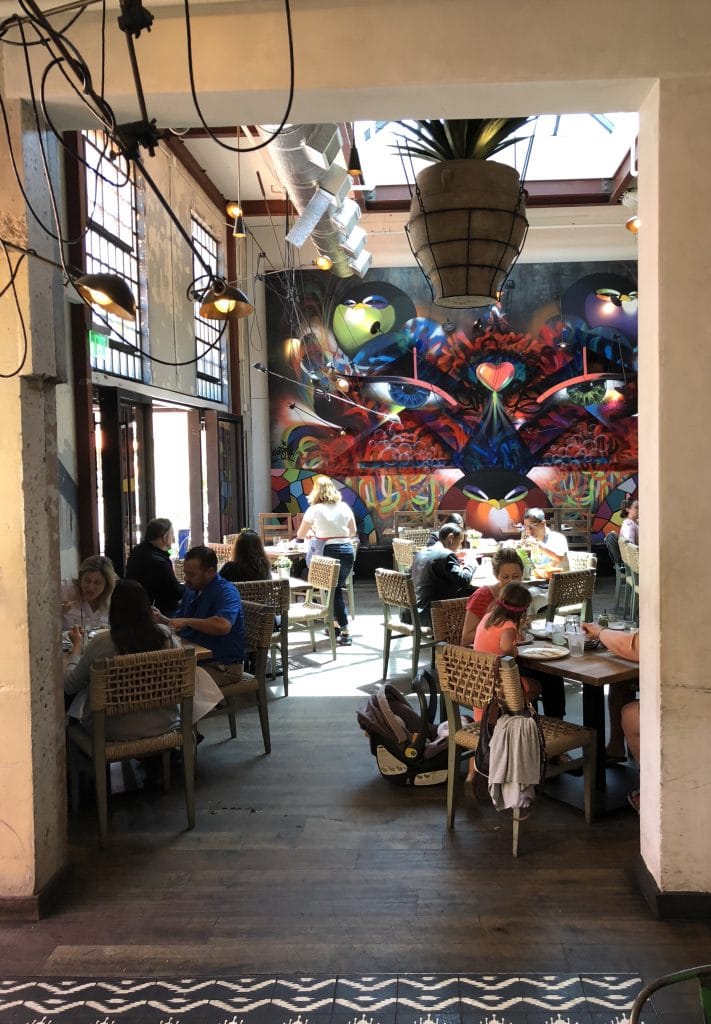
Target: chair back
512, 696
419, 535
395, 589
624, 554
578, 561
179, 569
258, 629
274, 593
448, 619
417, 519
142, 682
468, 677
323, 573
403, 553
223, 552
633, 558
275, 526
575, 522
230, 538
569, 588
612, 543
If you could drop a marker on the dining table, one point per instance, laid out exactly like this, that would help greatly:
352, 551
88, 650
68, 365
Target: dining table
290, 549
594, 669
201, 653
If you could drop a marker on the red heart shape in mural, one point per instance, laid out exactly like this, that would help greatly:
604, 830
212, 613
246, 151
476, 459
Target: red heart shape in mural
495, 376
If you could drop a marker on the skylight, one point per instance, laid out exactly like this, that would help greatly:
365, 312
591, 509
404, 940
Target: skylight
564, 147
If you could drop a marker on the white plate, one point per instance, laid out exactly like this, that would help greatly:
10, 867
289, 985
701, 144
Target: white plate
617, 625
547, 653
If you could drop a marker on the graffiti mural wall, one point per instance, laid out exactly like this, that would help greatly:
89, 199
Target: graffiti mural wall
410, 406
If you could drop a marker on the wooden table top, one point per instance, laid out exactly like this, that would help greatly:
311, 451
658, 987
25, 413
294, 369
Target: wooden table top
202, 653
594, 668
294, 550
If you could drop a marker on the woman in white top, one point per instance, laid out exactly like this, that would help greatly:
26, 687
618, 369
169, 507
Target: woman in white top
329, 522
629, 530
86, 600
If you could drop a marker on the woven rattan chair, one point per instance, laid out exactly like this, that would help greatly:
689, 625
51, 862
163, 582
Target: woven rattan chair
397, 592
179, 569
419, 535
322, 580
471, 679
128, 683
223, 552
277, 595
403, 553
448, 619
258, 630
632, 551
230, 538
569, 593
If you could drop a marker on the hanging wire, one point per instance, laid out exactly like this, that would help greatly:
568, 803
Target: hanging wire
18, 307
193, 90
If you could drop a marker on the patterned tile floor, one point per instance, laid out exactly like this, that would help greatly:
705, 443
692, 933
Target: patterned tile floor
290, 999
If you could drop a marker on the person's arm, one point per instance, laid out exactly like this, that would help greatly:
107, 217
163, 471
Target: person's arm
617, 641
78, 671
508, 642
352, 529
463, 573
305, 524
471, 621
215, 625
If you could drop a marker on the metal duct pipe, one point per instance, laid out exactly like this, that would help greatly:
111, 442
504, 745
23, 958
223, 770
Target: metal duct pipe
307, 157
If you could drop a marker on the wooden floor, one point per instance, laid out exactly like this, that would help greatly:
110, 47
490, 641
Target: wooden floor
308, 861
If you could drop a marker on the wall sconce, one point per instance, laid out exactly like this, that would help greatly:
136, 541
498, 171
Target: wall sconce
633, 224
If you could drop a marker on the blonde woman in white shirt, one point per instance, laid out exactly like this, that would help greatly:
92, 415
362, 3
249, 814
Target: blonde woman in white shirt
330, 524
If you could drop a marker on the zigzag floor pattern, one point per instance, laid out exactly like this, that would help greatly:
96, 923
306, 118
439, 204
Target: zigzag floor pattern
376, 999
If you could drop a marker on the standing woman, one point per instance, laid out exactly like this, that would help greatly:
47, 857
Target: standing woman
85, 600
329, 521
248, 559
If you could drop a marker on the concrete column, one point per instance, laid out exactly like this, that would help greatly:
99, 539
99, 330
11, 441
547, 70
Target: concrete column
32, 774
675, 383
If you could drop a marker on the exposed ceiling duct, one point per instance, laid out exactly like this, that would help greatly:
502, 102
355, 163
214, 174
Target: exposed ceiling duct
308, 161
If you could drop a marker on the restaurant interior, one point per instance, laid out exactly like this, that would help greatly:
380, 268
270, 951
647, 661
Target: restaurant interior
275, 320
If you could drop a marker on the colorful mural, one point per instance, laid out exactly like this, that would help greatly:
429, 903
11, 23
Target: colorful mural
410, 406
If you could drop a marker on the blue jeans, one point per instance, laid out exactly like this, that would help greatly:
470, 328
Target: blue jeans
344, 553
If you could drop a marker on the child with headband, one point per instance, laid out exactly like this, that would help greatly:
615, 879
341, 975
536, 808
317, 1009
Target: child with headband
497, 633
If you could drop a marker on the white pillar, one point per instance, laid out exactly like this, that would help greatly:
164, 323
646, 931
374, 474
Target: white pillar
32, 772
675, 487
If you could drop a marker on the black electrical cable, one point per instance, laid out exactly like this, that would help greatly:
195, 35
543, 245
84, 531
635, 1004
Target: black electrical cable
13, 275
193, 91
8, 23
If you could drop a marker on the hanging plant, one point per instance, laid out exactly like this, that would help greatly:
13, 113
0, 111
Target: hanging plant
437, 141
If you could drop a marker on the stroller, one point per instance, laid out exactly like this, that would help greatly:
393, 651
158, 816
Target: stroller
407, 746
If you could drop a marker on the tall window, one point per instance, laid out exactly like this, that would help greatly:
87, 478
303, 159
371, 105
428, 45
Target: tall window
211, 349
113, 244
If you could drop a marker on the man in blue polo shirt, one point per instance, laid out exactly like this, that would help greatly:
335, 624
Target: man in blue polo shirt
211, 615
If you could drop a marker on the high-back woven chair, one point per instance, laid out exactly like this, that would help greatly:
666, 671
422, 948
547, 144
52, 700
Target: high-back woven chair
419, 535
276, 594
612, 543
570, 592
275, 526
230, 538
632, 551
258, 629
397, 592
129, 683
578, 561
223, 552
403, 553
448, 619
318, 605
471, 679
179, 569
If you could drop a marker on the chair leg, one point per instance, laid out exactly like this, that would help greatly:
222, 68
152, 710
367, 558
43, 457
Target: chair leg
516, 826
100, 768
231, 716
452, 770
589, 764
166, 771
264, 717
332, 637
351, 598
189, 774
387, 638
313, 635
285, 660
415, 655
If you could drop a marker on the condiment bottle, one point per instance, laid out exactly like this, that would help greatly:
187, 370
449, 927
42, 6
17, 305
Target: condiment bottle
603, 620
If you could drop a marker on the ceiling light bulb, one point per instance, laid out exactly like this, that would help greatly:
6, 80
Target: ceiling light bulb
323, 262
225, 305
101, 298
234, 209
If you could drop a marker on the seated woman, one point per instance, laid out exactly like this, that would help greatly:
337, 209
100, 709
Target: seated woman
133, 631
248, 560
508, 568
85, 600
629, 530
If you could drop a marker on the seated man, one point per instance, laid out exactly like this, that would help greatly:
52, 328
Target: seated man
547, 549
453, 517
437, 572
211, 615
621, 705
149, 563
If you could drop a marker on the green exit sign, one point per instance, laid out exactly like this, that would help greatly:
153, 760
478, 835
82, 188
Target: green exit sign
99, 345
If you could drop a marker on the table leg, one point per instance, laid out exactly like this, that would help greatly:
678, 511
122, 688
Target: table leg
594, 718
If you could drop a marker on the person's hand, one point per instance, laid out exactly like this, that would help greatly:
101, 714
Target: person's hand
592, 629
76, 635
176, 624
